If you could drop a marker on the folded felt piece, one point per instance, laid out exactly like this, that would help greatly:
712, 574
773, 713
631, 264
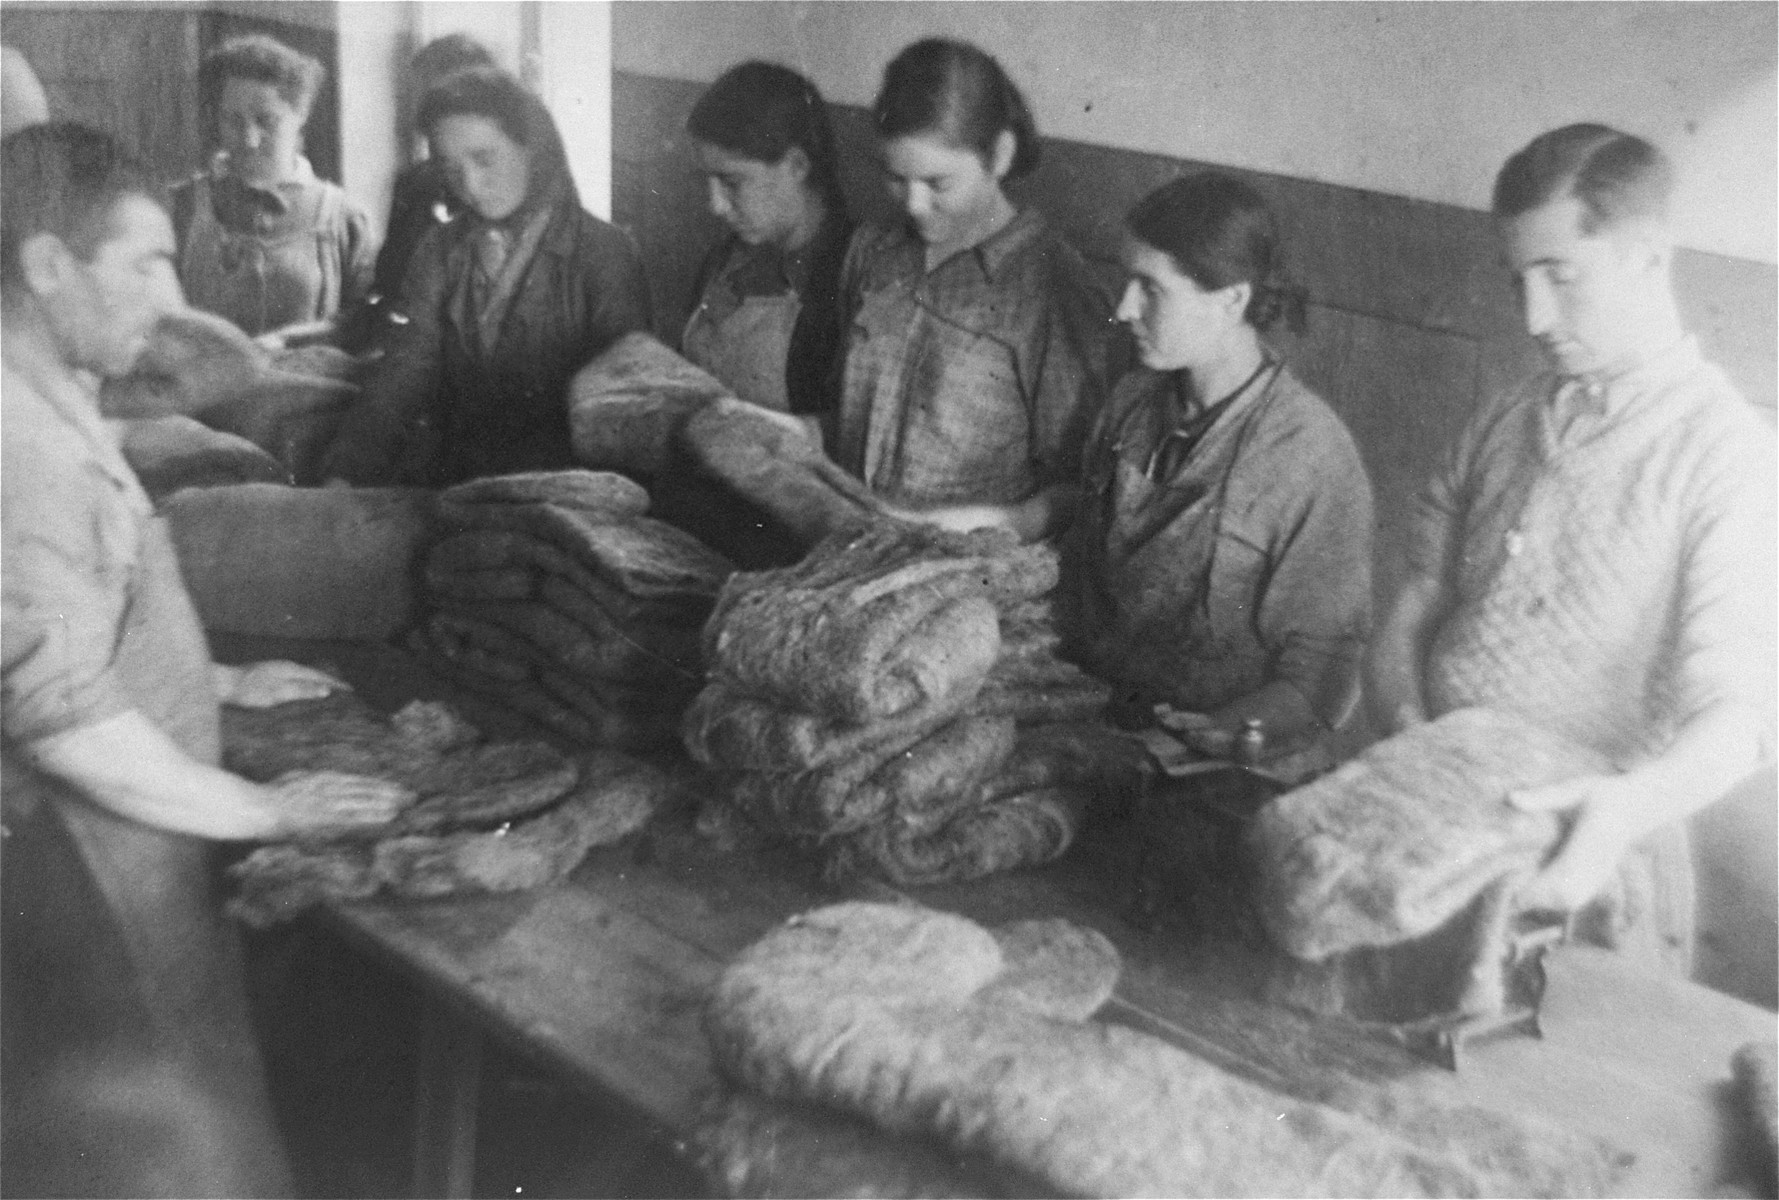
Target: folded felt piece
988, 836
280, 561
195, 360
615, 796
886, 1012
1039, 688
1398, 840
626, 407
173, 452
776, 463
599, 493
638, 557
726, 731
638, 652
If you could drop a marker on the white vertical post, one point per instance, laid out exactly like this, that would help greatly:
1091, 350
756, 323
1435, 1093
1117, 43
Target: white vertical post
574, 60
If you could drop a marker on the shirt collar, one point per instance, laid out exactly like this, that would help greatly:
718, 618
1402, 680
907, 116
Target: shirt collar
1609, 391
69, 395
990, 254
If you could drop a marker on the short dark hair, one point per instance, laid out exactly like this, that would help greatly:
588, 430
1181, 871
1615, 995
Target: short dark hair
443, 55
1218, 231
61, 178
960, 92
761, 110
487, 92
261, 59
1615, 176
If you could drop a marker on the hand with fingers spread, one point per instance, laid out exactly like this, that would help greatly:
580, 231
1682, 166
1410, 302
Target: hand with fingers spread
264, 684
319, 802
1597, 834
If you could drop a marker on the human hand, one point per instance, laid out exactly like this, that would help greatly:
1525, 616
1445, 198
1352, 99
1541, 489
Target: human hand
263, 684
1596, 839
312, 802
1200, 731
271, 342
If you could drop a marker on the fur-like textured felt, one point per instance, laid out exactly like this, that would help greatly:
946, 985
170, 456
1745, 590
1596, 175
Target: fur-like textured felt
626, 406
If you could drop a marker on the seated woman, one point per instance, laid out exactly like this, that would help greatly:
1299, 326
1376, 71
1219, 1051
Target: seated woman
975, 359
767, 321
1219, 560
262, 241
501, 305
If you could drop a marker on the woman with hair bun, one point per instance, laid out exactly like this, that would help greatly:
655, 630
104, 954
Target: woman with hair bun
1220, 557
976, 338
262, 240
767, 321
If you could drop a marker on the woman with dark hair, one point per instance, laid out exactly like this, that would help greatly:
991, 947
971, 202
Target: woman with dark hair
976, 339
1220, 557
420, 197
767, 321
262, 241
500, 307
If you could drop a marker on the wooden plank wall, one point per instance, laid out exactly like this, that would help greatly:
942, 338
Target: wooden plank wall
1411, 319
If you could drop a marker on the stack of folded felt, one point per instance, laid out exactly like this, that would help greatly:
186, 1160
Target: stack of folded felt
554, 594
894, 701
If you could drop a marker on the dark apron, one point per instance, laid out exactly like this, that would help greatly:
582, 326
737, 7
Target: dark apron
129, 1063
1139, 576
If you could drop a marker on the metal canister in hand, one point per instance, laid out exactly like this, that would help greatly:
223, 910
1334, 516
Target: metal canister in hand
1250, 743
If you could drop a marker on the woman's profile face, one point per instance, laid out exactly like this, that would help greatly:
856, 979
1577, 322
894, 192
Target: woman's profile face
947, 192
487, 170
763, 203
1177, 324
260, 131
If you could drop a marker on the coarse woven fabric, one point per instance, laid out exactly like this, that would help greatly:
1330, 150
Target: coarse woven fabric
599, 493
725, 731
941, 770
616, 796
993, 835
828, 1010
458, 563
1040, 689
1396, 841
174, 452
639, 557
778, 464
748, 1146
638, 653
586, 722
627, 406
263, 559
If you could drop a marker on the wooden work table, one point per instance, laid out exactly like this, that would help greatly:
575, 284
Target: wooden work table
603, 978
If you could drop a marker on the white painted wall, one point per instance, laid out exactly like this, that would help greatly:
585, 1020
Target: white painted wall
1420, 99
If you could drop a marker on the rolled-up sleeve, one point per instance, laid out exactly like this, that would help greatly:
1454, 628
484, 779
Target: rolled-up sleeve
63, 599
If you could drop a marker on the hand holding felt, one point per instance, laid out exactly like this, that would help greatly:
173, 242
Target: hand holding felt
1595, 838
264, 684
323, 802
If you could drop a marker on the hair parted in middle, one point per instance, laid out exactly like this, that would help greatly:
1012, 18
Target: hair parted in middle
261, 59
959, 92
762, 111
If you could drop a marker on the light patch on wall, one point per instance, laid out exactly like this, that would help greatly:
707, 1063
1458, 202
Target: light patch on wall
1726, 197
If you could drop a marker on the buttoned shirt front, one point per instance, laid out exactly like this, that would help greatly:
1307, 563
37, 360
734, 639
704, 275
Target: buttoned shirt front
976, 381
1607, 551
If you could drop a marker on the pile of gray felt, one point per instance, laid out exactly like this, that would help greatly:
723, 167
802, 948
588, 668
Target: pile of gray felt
554, 594
894, 703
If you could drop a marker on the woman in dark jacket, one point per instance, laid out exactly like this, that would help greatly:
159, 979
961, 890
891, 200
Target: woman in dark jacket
503, 304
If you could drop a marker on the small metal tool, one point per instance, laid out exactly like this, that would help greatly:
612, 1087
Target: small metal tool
1444, 1040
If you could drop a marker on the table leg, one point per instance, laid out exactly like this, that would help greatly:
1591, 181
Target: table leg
449, 1079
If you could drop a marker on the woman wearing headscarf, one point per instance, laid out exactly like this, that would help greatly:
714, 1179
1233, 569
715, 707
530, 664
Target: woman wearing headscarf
500, 306
262, 240
1219, 561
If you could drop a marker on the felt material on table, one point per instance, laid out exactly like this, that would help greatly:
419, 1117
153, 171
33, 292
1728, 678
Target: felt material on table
626, 407
586, 719
726, 731
777, 464
1041, 690
993, 835
615, 796
599, 493
295, 422
1053, 968
174, 452
639, 653
939, 771
639, 557
1395, 842
262, 559
507, 583
749, 1146
860, 1008
464, 560
463, 784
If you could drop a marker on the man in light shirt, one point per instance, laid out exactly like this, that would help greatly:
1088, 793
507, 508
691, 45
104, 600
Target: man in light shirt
1596, 552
